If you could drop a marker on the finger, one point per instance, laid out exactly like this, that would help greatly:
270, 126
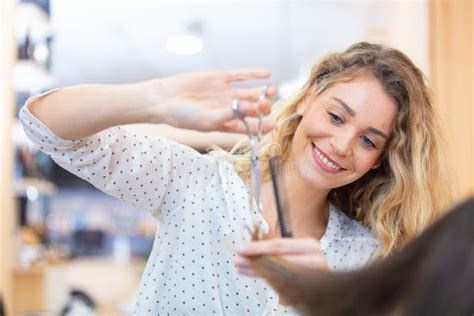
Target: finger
237, 126
263, 106
242, 262
280, 246
247, 74
312, 261
248, 272
245, 108
271, 92
255, 94
254, 108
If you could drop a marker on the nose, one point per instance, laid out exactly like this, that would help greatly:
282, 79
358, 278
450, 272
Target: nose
342, 144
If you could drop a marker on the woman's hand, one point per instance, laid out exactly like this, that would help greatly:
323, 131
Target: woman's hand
302, 251
203, 100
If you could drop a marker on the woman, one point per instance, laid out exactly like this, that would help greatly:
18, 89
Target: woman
360, 145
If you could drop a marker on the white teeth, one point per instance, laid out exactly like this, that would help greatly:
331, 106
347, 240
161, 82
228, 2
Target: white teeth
325, 160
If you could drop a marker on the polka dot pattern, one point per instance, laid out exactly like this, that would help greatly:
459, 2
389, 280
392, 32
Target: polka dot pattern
202, 206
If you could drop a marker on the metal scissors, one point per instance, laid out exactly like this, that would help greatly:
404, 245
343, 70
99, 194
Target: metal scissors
256, 186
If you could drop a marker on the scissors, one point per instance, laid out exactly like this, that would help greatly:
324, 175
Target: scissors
256, 191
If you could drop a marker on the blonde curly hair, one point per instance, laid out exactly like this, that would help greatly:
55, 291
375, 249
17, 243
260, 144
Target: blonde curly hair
410, 189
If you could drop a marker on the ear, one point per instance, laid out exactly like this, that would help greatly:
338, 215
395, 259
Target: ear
301, 107
376, 165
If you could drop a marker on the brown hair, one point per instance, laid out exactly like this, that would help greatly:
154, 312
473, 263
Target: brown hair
433, 275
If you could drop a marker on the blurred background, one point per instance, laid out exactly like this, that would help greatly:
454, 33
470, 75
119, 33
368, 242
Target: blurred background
63, 241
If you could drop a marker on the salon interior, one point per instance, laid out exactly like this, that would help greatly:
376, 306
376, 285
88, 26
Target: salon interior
61, 239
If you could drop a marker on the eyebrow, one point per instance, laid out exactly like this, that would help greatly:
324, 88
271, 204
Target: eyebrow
345, 106
352, 113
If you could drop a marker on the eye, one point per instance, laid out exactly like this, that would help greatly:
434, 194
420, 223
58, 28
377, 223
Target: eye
366, 142
335, 119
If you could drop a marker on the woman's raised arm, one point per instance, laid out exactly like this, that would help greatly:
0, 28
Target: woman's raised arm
200, 101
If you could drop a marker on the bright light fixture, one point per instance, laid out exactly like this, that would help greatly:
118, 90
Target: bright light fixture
41, 52
32, 193
184, 45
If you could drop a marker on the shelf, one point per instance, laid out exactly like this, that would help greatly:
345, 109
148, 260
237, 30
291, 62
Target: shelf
42, 187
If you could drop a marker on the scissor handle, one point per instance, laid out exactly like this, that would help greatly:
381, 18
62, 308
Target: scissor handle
255, 164
260, 114
238, 115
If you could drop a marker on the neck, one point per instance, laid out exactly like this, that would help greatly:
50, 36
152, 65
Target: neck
309, 208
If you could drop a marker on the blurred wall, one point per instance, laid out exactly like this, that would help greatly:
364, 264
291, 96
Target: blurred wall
124, 41
452, 77
7, 50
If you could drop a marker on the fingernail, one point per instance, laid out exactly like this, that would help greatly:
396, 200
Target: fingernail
241, 262
245, 271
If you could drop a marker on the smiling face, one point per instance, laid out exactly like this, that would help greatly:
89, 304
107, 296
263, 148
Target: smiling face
343, 132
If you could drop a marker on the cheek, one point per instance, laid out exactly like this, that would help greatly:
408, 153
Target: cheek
316, 126
364, 161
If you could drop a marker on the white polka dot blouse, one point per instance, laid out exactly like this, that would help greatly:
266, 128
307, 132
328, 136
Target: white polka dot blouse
202, 208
